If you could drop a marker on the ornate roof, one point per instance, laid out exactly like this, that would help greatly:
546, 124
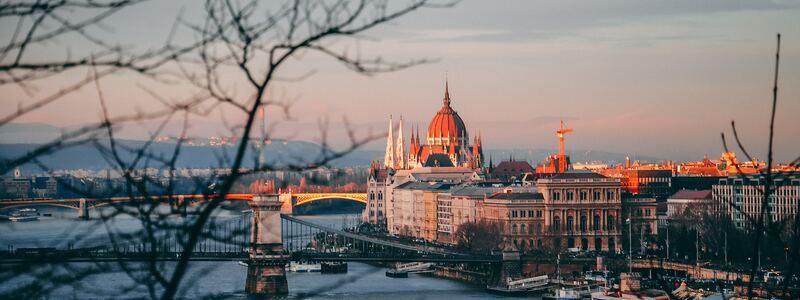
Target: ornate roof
446, 124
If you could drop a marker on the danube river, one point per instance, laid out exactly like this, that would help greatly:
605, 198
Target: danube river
222, 279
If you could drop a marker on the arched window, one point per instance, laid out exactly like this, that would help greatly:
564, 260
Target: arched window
530, 231
371, 195
514, 230
522, 228
380, 195
556, 223
569, 223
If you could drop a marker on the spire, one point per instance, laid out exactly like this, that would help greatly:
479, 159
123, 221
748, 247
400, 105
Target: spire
388, 160
400, 157
446, 100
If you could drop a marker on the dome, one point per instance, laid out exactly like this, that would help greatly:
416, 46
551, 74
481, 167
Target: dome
446, 125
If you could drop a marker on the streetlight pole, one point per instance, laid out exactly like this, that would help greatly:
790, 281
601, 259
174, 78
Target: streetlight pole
630, 265
667, 240
697, 246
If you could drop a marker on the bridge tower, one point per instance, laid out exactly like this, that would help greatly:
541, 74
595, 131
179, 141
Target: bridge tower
83, 209
266, 274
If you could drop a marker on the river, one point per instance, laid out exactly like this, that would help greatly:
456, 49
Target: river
223, 279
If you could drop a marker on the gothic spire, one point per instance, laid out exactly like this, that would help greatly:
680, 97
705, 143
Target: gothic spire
400, 156
388, 160
446, 100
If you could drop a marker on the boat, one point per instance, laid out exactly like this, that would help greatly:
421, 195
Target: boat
242, 263
304, 267
563, 294
396, 274
521, 287
333, 267
25, 215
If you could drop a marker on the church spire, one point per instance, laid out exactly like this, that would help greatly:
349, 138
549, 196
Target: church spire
400, 160
388, 160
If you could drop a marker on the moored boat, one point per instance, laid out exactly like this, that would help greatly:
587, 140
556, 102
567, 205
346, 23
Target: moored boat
25, 215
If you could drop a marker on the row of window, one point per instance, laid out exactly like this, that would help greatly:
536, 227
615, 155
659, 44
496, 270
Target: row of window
525, 213
582, 195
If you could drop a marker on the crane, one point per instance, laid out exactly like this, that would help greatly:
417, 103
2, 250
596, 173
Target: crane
562, 161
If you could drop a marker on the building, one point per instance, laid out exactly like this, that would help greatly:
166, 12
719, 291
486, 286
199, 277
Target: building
641, 212
460, 205
511, 169
680, 201
581, 210
647, 180
521, 217
740, 198
414, 209
447, 143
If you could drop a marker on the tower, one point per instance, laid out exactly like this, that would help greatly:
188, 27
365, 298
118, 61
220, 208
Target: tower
388, 160
400, 156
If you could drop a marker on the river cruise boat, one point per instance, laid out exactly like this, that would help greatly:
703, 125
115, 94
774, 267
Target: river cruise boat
301, 267
25, 215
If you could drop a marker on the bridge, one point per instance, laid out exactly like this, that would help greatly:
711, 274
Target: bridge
289, 201
266, 243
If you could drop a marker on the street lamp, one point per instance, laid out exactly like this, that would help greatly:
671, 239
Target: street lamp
667, 239
630, 265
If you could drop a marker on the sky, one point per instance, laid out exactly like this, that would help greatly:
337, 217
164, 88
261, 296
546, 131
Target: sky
655, 78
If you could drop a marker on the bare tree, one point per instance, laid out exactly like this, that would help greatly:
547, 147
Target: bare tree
250, 40
767, 183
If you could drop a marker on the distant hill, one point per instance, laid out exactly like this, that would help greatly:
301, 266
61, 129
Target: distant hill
31, 133
88, 157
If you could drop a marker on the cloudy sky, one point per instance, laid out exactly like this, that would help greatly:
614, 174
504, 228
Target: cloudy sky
657, 78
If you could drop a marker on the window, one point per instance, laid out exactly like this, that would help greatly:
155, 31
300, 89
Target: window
371, 195
583, 223
538, 213
569, 223
583, 195
570, 196
596, 222
610, 195
514, 214
556, 196
380, 195
556, 223
596, 196
522, 228
610, 222
514, 229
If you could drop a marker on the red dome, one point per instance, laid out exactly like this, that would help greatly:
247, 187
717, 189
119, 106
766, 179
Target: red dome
446, 124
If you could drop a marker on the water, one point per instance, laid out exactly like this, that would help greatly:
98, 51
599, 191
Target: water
224, 279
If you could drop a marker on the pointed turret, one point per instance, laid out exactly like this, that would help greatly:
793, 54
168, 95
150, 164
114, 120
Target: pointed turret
388, 160
446, 100
400, 156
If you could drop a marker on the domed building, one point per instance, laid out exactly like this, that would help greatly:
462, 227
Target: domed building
447, 143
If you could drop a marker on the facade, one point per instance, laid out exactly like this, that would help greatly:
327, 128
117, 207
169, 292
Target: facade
740, 198
680, 201
581, 210
645, 180
447, 143
521, 217
641, 210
